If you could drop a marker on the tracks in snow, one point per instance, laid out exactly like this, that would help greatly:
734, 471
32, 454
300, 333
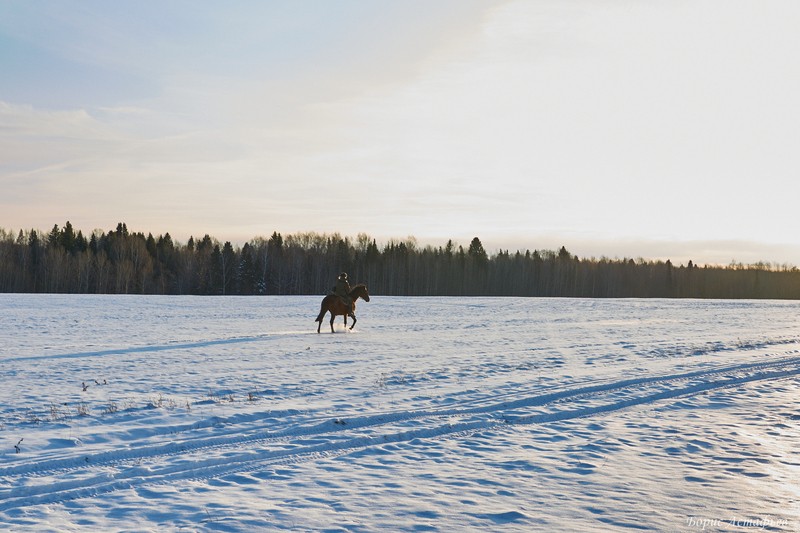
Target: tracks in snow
258, 449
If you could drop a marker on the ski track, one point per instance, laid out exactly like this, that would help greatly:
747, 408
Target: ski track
257, 449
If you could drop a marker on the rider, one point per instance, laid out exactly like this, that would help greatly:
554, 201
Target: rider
342, 290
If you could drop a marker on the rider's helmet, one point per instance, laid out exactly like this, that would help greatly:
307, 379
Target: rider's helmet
343, 276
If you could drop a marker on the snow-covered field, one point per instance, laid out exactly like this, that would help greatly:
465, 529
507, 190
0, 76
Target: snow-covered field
233, 414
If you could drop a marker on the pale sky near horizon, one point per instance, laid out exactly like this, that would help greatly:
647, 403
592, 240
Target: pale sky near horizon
613, 127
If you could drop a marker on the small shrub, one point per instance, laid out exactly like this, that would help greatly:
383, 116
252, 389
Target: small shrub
157, 402
58, 412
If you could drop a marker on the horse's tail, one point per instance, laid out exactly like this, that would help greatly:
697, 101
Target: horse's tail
322, 311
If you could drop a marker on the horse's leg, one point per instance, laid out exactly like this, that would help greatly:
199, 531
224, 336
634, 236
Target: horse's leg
322, 310
354, 320
333, 317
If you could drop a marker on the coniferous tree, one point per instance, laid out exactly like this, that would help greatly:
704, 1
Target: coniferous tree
119, 261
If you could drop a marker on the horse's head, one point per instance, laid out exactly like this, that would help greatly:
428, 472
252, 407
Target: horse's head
360, 291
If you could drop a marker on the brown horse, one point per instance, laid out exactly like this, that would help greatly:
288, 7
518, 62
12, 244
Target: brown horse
334, 304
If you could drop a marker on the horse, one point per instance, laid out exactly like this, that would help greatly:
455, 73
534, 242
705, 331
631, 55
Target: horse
334, 304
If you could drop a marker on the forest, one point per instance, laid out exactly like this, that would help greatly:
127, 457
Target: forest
123, 262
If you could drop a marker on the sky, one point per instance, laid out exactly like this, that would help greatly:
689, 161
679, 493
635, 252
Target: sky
617, 128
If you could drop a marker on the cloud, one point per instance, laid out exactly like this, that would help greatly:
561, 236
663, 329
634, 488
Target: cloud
601, 122
599, 119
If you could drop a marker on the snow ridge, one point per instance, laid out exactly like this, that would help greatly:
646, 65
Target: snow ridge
202, 458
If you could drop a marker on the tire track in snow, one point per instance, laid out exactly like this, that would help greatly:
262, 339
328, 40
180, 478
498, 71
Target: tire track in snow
336, 437
325, 426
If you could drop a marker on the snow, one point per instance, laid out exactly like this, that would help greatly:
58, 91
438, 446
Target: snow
142, 413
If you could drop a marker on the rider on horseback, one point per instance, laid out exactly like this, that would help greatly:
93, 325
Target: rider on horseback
341, 301
342, 290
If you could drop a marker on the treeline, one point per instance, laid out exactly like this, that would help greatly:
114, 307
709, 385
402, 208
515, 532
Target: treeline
123, 262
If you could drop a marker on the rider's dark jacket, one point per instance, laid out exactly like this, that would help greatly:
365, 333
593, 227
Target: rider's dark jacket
342, 289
